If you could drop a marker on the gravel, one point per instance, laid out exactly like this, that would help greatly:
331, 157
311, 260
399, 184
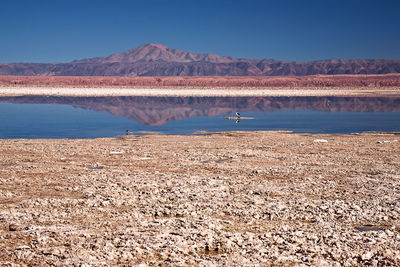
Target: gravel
234, 198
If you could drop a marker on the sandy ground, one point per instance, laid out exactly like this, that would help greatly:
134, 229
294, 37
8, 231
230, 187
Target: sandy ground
309, 81
240, 198
184, 91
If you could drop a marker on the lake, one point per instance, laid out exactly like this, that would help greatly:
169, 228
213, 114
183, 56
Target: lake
92, 117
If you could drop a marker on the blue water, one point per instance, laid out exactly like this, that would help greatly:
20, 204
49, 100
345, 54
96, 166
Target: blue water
58, 121
19, 120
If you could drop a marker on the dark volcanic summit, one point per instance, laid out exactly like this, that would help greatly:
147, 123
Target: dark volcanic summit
159, 60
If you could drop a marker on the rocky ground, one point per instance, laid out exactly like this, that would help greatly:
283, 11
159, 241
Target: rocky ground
242, 198
210, 86
289, 82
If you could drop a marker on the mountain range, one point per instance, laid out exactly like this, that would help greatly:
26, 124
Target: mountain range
159, 60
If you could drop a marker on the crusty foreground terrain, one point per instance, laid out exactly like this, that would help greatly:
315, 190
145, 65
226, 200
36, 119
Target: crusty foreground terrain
241, 198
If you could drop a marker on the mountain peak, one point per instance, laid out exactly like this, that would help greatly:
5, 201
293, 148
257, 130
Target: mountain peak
160, 46
158, 53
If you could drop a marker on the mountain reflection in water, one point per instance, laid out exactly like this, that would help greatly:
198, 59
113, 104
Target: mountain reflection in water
155, 111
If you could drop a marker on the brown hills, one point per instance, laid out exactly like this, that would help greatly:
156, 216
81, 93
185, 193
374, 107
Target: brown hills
159, 60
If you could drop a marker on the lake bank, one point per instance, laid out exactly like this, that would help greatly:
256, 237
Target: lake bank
233, 198
197, 92
312, 85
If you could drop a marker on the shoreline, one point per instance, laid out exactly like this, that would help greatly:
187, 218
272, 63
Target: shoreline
205, 133
197, 92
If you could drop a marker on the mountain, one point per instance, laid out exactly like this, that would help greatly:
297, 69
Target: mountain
159, 60
157, 53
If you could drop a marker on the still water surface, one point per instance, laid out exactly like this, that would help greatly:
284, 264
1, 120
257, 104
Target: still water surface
91, 117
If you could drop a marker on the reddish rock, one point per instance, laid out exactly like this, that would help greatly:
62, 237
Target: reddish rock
320, 81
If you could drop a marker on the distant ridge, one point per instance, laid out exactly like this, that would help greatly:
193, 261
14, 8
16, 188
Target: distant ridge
159, 60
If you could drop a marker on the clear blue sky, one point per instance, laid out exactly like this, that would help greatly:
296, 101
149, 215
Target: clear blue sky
302, 30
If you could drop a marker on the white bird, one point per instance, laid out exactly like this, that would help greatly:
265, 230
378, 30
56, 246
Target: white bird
238, 114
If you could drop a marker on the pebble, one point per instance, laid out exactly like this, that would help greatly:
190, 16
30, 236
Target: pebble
14, 227
320, 141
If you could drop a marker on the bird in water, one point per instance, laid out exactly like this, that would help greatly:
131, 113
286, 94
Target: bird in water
237, 117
